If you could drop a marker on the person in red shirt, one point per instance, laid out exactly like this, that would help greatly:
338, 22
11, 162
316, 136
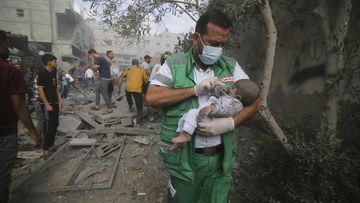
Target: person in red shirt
12, 108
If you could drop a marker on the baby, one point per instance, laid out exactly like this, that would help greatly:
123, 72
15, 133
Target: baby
229, 102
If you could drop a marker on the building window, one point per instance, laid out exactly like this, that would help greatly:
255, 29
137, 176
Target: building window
20, 12
158, 43
147, 42
167, 45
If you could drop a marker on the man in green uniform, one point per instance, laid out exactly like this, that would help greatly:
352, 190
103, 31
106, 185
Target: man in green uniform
200, 171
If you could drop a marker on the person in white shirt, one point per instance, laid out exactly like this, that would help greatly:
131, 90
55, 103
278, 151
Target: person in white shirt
89, 77
70, 79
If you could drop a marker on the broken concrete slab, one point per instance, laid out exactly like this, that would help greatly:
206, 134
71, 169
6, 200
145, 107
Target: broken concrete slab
68, 123
84, 141
29, 154
126, 122
88, 119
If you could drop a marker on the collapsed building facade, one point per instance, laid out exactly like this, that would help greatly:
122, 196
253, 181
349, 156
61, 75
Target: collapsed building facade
51, 26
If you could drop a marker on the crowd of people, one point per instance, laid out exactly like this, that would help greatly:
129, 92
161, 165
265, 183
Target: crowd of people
203, 96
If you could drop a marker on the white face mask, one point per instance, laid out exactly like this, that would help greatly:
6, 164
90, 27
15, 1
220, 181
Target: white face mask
210, 54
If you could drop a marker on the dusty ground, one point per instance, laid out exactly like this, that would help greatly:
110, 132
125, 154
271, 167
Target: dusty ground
140, 176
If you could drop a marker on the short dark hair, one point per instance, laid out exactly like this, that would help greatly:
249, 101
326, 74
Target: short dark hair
108, 52
247, 90
91, 51
3, 36
47, 57
214, 16
147, 57
135, 62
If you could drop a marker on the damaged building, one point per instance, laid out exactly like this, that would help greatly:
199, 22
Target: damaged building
51, 26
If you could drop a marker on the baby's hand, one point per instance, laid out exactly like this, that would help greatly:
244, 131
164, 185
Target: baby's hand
206, 110
180, 141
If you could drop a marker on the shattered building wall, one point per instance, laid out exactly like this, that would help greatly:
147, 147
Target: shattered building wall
51, 26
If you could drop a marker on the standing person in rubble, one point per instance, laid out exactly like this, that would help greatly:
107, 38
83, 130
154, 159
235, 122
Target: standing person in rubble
135, 77
101, 64
110, 56
146, 66
64, 84
200, 171
89, 78
12, 108
51, 101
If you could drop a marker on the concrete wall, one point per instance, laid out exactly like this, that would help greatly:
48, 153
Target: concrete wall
35, 22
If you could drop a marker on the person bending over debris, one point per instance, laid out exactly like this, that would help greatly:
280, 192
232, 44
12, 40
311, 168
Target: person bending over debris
12, 108
50, 102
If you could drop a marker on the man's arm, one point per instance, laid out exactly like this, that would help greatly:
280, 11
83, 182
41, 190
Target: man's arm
43, 98
24, 116
158, 96
246, 113
220, 126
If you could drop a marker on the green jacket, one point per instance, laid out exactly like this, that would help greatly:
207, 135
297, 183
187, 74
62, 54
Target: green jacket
181, 67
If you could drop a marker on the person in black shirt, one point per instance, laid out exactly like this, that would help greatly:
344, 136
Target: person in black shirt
50, 102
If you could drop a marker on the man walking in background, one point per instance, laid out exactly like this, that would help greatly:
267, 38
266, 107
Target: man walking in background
12, 108
110, 56
102, 65
135, 77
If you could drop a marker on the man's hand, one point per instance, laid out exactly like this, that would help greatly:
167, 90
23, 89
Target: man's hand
48, 107
61, 104
215, 127
206, 110
37, 138
206, 86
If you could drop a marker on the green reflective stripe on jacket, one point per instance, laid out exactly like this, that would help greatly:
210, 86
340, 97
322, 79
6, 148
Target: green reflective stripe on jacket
181, 67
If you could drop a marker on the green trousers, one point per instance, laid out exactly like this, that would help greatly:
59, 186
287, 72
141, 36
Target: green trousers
210, 185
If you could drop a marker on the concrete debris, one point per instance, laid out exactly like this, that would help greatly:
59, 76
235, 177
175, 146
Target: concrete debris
84, 141
142, 140
126, 122
89, 171
29, 154
68, 124
105, 149
88, 120
112, 121
60, 140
